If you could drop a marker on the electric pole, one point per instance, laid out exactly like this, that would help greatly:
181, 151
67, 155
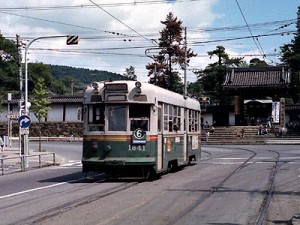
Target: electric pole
21, 101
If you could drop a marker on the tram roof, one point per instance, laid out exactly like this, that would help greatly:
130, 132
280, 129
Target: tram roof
154, 94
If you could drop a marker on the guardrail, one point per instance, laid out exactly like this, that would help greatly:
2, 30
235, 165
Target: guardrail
19, 164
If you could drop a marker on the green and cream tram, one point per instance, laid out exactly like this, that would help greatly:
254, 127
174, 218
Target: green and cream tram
133, 129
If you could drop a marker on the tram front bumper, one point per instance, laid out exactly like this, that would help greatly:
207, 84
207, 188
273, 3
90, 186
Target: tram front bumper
120, 161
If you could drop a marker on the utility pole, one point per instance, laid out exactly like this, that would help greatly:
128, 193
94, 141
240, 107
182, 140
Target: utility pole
21, 101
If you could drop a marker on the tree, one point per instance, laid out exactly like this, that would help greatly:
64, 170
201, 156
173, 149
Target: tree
39, 70
290, 55
8, 65
40, 104
211, 77
130, 73
172, 52
257, 63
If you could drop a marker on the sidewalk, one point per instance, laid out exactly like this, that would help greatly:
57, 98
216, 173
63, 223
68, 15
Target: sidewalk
11, 161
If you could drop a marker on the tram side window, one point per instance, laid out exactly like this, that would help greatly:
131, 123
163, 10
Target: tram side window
166, 117
176, 119
171, 110
193, 121
116, 118
172, 118
159, 111
139, 115
96, 118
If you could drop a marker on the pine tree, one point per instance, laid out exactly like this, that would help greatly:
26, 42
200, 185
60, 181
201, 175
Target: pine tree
211, 78
130, 73
172, 52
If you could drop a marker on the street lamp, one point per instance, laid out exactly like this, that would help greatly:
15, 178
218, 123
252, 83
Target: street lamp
26, 104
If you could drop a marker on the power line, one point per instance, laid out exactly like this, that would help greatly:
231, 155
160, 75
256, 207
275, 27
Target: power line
66, 24
52, 21
240, 38
258, 45
79, 6
121, 21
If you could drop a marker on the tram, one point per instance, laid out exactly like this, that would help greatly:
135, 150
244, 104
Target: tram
138, 130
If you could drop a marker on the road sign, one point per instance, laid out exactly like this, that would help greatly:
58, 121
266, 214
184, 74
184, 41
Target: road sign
72, 40
24, 121
12, 117
24, 131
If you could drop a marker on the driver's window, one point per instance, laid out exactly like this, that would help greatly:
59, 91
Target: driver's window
139, 116
116, 118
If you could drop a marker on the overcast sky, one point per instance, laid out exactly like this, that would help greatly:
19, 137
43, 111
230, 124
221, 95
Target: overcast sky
115, 33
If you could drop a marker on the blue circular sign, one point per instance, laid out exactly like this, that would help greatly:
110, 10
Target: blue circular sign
24, 121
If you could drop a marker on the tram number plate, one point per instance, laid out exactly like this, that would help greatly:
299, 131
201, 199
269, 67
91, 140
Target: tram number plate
138, 148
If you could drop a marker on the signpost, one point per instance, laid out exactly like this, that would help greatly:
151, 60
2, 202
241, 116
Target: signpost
24, 121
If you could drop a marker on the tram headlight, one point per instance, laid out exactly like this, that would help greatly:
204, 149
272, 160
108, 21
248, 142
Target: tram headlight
94, 146
138, 84
107, 148
95, 85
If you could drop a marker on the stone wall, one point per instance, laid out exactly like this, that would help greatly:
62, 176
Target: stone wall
48, 129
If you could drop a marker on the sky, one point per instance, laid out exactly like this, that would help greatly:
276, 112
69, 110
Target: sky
116, 34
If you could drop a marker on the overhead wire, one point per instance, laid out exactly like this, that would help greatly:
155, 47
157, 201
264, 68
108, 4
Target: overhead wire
78, 6
120, 21
258, 45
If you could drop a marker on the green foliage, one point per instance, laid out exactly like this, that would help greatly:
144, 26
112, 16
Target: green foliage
68, 80
257, 63
40, 100
84, 76
172, 52
39, 70
8, 65
211, 78
290, 55
130, 73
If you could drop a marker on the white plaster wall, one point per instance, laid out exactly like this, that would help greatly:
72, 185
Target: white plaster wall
207, 117
231, 119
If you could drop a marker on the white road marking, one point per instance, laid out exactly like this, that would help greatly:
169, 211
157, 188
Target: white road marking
39, 188
72, 163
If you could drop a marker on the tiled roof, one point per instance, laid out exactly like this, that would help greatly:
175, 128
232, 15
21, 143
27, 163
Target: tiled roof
292, 108
67, 99
54, 99
256, 77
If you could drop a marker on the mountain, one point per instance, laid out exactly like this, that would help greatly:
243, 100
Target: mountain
84, 76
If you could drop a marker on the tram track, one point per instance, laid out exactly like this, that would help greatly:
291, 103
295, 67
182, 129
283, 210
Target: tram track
50, 212
213, 190
266, 200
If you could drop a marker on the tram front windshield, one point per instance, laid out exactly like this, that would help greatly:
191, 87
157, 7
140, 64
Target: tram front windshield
119, 117
139, 116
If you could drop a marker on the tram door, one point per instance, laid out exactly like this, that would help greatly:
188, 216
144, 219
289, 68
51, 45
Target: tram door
159, 139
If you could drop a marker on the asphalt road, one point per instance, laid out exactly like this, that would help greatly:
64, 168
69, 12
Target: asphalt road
69, 151
228, 186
